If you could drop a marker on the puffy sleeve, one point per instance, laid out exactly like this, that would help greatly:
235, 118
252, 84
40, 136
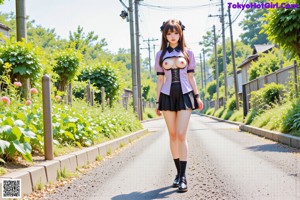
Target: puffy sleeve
159, 70
192, 65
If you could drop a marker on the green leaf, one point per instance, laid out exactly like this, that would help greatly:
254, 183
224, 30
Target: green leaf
27, 157
3, 145
16, 132
20, 69
69, 135
5, 129
19, 147
29, 134
19, 123
27, 147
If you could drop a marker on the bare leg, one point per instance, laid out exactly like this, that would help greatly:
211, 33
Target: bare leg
170, 118
182, 121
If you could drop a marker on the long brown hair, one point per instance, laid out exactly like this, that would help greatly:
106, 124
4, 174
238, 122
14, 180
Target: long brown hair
172, 25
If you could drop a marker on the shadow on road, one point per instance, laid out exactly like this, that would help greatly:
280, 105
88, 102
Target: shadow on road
153, 194
272, 148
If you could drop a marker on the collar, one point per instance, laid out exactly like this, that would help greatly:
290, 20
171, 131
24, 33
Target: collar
170, 49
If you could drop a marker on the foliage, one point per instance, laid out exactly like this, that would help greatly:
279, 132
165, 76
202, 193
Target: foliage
210, 111
211, 88
291, 120
242, 51
237, 116
231, 103
252, 26
79, 89
82, 42
251, 115
282, 27
23, 58
265, 97
66, 66
267, 63
219, 112
102, 76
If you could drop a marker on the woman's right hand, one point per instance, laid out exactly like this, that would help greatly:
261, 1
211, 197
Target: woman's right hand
158, 112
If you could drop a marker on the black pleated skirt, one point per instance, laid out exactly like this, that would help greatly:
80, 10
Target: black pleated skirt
177, 101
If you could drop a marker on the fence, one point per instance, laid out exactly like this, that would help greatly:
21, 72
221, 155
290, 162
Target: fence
281, 76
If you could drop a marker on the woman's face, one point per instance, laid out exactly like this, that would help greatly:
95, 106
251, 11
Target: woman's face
173, 37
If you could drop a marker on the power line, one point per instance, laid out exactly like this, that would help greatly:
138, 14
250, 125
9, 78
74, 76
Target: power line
176, 7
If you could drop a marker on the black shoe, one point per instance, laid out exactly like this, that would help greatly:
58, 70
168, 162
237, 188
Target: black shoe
182, 185
176, 181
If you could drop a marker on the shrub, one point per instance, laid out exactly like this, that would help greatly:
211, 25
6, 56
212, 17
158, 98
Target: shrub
103, 76
291, 121
230, 104
23, 58
219, 112
211, 88
66, 66
265, 97
251, 115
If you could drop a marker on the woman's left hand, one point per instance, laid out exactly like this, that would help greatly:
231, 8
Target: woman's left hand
200, 104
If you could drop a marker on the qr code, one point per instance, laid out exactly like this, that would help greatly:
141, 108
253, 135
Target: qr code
11, 188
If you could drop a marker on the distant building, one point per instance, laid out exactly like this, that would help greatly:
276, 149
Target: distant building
245, 66
4, 30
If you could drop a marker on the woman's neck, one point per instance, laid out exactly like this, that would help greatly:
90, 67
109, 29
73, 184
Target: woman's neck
173, 45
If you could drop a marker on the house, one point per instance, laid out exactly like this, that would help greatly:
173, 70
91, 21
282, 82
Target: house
4, 30
245, 66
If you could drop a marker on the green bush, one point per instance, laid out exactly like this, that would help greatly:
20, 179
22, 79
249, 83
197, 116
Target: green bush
66, 66
230, 104
265, 97
23, 58
211, 88
103, 76
210, 111
267, 63
237, 116
219, 112
251, 115
291, 121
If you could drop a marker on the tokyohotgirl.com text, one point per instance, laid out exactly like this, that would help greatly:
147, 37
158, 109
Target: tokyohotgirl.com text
264, 5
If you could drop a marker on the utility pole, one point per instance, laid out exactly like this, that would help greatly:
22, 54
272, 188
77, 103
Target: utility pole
22, 34
204, 67
201, 71
149, 51
138, 61
132, 49
21, 20
154, 51
224, 52
217, 68
233, 63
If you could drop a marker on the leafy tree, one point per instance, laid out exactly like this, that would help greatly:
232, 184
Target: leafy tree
102, 76
252, 26
82, 41
267, 63
66, 66
283, 28
24, 60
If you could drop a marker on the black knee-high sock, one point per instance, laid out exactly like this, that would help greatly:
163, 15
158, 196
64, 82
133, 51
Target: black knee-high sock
182, 168
176, 161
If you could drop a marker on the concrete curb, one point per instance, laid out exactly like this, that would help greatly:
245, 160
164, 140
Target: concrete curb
282, 138
47, 171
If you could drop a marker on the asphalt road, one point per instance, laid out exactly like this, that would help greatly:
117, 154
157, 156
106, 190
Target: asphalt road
224, 163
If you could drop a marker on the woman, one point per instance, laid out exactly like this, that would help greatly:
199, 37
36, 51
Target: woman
177, 93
